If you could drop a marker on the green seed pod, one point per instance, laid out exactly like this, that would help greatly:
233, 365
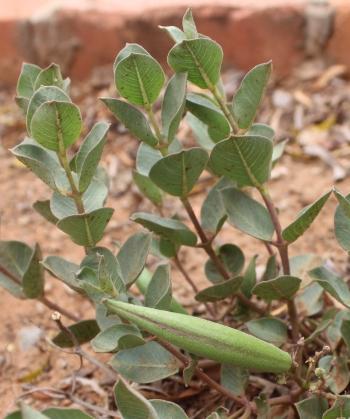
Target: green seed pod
206, 338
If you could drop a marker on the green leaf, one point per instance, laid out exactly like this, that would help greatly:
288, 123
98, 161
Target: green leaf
39, 161
278, 151
126, 51
332, 284
15, 257
26, 80
173, 105
43, 208
56, 125
321, 327
263, 130
272, 330
158, 294
89, 154
249, 95
33, 278
146, 158
345, 331
104, 319
234, 379
245, 160
333, 332
232, 258
200, 132
309, 300
247, 215
168, 228
305, 218
132, 256
342, 221
213, 214
30, 413
200, 58
59, 413
312, 408
147, 188
340, 409
130, 341
63, 270
139, 78
131, 404
188, 25
145, 364
133, 119
177, 173
271, 270
107, 340
84, 331
220, 291
49, 76
337, 372
167, 409
283, 287
208, 112
76, 226
42, 95
174, 32
249, 278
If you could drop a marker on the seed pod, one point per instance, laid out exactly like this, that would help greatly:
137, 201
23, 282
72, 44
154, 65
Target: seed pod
206, 338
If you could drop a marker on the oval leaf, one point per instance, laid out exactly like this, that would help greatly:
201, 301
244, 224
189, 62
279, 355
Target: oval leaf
274, 289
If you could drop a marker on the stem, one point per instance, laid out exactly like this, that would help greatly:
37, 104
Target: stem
51, 305
207, 246
282, 247
222, 103
191, 283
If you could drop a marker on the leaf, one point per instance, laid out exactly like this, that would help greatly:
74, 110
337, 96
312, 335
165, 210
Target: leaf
234, 379
220, 291
200, 58
249, 278
132, 256
250, 93
146, 158
345, 331
33, 278
56, 125
42, 95
107, 340
278, 151
26, 80
84, 331
271, 330
336, 368
309, 300
283, 287
30, 413
147, 188
15, 258
168, 228
245, 160
232, 258
247, 215
205, 338
158, 294
301, 265
200, 132
173, 106
271, 270
213, 214
76, 226
89, 154
340, 409
263, 130
49, 76
322, 326
43, 208
174, 32
188, 25
39, 161
208, 112
104, 319
332, 283
333, 332
145, 364
305, 218
126, 51
59, 413
139, 78
167, 409
342, 222
63, 270
177, 173
312, 408
133, 119
131, 404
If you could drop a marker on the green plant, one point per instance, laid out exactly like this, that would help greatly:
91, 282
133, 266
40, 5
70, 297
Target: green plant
307, 350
